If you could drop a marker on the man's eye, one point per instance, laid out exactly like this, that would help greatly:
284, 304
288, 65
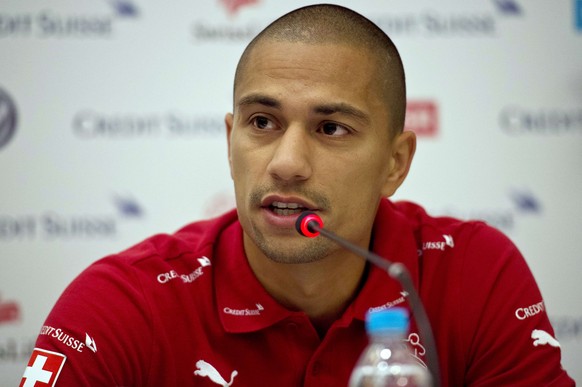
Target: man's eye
261, 122
333, 129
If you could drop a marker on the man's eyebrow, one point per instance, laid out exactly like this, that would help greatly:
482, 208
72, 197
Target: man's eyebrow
343, 108
260, 99
325, 109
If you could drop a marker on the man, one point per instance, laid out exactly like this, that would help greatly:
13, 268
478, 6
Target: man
319, 101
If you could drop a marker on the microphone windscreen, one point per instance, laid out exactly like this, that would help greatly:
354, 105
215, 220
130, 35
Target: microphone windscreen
303, 222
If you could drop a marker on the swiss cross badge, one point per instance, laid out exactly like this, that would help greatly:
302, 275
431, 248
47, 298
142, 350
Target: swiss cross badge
43, 368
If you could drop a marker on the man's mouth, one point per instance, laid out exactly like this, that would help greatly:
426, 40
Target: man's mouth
285, 209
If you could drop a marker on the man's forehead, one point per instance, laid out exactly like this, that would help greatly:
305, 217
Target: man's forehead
282, 59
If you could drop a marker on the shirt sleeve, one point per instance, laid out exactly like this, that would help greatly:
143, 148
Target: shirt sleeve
102, 325
508, 337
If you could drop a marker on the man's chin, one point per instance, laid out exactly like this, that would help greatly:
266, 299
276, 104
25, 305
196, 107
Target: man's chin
299, 254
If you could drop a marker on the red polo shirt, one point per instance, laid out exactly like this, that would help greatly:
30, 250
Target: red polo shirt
186, 309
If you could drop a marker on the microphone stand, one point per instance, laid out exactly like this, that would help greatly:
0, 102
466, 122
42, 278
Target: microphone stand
399, 272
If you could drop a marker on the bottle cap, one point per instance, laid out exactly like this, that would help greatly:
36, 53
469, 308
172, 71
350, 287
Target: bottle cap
387, 320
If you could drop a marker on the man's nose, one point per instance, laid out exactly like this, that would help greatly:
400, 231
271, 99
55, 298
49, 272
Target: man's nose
291, 159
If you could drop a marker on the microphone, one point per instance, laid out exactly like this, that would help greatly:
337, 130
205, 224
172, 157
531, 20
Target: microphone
310, 225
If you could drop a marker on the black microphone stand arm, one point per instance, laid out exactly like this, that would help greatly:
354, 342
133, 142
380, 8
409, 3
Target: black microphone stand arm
400, 273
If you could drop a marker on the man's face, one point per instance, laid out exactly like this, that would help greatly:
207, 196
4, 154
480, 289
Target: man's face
310, 131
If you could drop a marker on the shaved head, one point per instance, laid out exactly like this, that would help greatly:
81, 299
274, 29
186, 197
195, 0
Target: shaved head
333, 24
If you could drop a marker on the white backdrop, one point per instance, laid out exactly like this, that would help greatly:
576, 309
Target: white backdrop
111, 129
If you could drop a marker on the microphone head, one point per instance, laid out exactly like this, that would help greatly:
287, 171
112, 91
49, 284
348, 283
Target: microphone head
307, 222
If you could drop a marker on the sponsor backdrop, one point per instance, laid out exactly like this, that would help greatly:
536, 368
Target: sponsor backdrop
111, 129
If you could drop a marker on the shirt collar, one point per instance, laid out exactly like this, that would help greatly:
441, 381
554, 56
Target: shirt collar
245, 306
243, 303
393, 239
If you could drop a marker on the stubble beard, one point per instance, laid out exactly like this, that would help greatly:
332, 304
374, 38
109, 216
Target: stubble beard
310, 251
303, 250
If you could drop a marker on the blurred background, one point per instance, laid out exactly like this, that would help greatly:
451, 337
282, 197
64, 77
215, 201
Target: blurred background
111, 130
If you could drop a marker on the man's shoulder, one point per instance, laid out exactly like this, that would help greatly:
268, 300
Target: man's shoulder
161, 264
196, 238
465, 234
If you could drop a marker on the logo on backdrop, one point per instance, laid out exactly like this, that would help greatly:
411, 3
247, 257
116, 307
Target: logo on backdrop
522, 203
521, 121
232, 6
422, 118
13, 348
92, 125
508, 7
9, 311
56, 226
449, 23
226, 29
61, 24
124, 8
128, 207
8, 118
525, 202
578, 14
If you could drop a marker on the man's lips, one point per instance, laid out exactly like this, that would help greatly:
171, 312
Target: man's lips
285, 206
285, 209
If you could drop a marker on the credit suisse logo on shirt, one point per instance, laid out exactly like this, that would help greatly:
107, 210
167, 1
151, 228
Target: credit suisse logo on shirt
68, 339
188, 278
43, 368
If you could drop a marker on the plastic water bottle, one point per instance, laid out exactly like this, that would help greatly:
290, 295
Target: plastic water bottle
388, 359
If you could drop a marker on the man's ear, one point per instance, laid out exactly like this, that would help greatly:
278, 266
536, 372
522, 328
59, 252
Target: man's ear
403, 148
228, 121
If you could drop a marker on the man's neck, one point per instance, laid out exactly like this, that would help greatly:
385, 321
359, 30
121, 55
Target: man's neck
322, 289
